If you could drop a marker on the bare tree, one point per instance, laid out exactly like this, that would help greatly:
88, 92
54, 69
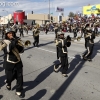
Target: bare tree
71, 14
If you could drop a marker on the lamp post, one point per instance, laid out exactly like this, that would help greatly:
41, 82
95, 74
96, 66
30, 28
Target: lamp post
49, 11
0, 24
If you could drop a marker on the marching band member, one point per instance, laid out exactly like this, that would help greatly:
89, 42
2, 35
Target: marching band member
12, 61
62, 45
21, 31
75, 30
15, 27
82, 29
46, 28
25, 29
36, 36
89, 36
56, 30
85, 34
3, 32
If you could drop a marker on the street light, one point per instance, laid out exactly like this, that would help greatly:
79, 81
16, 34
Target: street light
49, 11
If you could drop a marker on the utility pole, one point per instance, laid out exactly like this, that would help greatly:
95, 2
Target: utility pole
49, 11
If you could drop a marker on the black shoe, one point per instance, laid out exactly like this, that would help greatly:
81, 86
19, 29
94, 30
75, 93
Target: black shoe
90, 60
8, 87
65, 75
37, 46
34, 44
21, 95
84, 58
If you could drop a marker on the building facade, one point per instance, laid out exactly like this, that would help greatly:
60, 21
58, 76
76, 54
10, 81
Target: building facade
32, 19
5, 19
44, 18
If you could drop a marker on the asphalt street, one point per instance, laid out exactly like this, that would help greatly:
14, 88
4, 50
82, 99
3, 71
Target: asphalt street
42, 83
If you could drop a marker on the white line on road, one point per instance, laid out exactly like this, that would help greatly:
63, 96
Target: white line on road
46, 50
54, 52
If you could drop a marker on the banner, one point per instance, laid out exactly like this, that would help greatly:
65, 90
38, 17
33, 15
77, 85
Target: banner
92, 9
59, 9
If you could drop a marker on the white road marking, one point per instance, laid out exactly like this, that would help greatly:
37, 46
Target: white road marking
46, 50
53, 52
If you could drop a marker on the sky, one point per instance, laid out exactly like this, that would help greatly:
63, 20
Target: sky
42, 6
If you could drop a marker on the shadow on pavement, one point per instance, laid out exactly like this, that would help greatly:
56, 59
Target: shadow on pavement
74, 63
38, 95
96, 48
2, 55
40, 78
2, 78
46, 43
27, 48
1, 97
77, 67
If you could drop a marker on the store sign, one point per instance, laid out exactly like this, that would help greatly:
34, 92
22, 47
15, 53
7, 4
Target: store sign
88, 10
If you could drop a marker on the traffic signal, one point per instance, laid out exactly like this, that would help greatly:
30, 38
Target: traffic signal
51, 18
16, 23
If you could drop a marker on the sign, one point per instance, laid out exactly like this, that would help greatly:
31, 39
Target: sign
59, 9
93, 9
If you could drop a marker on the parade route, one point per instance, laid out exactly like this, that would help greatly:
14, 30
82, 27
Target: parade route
42, 83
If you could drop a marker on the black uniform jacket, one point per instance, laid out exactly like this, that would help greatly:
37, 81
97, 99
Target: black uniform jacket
12, 50
90, 36
62, 47
36, 33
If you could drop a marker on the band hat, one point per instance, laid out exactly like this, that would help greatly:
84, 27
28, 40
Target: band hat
8, 30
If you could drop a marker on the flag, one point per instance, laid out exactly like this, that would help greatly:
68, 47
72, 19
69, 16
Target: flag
59, 9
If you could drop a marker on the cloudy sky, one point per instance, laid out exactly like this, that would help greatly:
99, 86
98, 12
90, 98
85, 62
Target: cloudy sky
42, 6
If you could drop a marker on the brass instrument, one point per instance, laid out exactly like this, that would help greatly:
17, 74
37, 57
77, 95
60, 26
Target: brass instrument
78, 38
2, 45
27, 43
36, 32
